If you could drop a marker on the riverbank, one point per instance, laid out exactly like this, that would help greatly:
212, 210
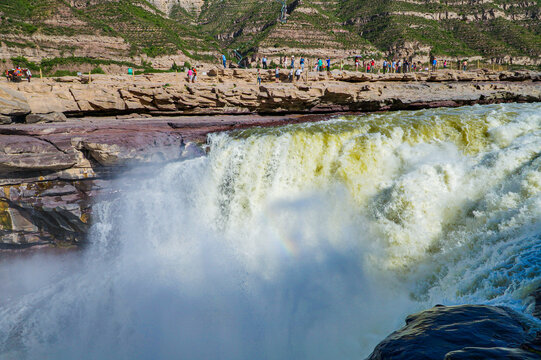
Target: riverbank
235, 91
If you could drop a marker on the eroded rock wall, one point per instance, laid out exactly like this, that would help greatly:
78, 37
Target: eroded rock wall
228, 91
49, 176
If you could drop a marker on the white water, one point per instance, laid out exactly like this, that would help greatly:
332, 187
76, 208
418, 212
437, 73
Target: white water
310, 241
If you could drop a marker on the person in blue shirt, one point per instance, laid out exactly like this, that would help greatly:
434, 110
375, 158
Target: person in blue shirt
328, 64
224, 60
434, 64
302, 63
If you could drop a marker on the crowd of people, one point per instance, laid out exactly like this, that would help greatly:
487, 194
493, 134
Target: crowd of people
17, 74
297, 67
370, 66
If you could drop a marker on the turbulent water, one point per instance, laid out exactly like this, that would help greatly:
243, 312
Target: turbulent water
307, 241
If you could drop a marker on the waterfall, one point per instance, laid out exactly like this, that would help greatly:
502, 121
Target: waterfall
308, 241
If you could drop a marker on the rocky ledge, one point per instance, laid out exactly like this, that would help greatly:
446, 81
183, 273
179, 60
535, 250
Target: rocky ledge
465, 332
221, 91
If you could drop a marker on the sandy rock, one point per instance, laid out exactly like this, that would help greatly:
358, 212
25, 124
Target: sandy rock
12, 102
21, 220
5, 119
46, 118
94, 99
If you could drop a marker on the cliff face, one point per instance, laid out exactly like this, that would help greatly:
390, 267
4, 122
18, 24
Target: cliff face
192, 6
138, 31
71, 34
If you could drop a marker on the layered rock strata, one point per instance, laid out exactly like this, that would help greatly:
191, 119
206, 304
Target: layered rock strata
220, 91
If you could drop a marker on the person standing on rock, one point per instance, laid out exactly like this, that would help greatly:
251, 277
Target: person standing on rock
328, 64
28, 74
277, 74
293, 62
384, 65
464, 65
302, 63
258, 77
298, 74
194, 70
190, 75
224, 61
264, 61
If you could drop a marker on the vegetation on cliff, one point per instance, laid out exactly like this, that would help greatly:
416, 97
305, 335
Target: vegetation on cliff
457, 28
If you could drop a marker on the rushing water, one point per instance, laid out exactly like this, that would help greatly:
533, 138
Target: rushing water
307, 241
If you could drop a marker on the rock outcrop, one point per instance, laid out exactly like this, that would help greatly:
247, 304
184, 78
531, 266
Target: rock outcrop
220, 91
13, 104
464, 332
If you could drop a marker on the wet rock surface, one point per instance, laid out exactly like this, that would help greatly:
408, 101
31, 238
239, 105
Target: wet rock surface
50, 173
462, 332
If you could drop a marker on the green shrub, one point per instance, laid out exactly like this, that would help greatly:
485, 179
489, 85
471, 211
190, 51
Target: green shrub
98, 70
175, 67
25, 63
29, 28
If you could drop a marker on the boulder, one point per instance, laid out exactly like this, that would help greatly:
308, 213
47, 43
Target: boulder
442, 330
124, 148
26, 153
13, 103
5, 119
46, 118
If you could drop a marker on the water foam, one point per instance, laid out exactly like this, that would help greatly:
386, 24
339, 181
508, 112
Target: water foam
307, 241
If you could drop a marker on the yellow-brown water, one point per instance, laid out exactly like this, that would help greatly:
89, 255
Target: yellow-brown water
308, 241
